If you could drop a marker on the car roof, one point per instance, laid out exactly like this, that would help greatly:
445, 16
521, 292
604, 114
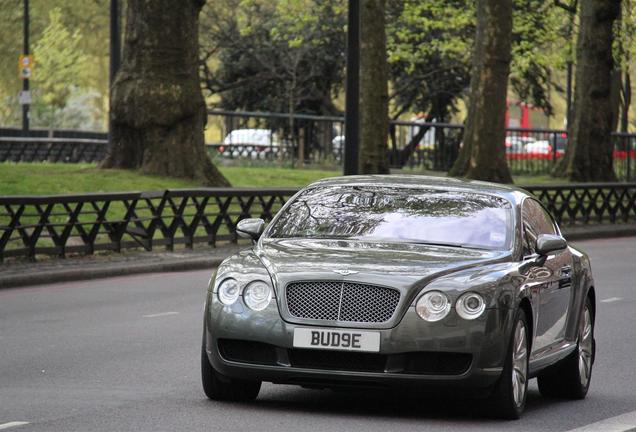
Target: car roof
510, 192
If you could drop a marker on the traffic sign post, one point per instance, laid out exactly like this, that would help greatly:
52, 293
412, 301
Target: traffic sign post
25, 66
25, 97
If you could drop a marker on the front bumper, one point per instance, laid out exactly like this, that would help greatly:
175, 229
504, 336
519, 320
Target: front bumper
483, 341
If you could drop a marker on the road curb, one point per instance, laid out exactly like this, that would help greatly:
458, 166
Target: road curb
125, 269
598, 232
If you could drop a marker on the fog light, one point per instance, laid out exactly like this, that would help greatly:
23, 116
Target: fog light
228, 291
432, 306
257, 295
470, 305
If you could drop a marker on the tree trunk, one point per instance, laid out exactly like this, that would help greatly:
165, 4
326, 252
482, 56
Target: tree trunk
374, 98
616, 84
290, 121
482, 155
407, 152
589, 153
157, 108
627, 101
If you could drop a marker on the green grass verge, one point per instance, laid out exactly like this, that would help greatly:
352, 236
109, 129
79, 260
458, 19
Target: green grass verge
45, 178
264, 177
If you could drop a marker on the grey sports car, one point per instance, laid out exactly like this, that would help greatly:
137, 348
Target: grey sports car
403, 281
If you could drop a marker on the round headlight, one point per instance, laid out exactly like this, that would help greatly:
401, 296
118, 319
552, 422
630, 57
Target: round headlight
257, 295
229, 291
470, 305
433, 306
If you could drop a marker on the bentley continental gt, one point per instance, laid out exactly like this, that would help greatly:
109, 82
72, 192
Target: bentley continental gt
430, 284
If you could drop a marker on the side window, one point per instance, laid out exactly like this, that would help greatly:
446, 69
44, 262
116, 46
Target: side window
536, 221
529, 240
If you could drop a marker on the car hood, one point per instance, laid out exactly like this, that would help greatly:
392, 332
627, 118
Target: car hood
404, 266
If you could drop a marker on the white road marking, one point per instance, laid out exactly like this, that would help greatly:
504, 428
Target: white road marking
621, 423
12, 424
160, 314
612, 299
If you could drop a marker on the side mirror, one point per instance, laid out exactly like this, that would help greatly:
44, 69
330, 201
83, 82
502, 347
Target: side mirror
547, 243
250, 228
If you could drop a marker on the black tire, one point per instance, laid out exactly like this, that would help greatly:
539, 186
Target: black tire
222, 388
504, 402
566, 379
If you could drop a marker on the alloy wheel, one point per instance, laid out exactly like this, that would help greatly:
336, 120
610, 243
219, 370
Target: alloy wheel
585, 348
519, 364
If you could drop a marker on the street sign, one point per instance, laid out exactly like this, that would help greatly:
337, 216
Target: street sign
25, 66
25, 97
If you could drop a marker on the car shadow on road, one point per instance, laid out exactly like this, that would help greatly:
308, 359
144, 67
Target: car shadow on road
383, 404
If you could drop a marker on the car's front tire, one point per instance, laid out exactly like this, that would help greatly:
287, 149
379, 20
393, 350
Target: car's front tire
508, 399
571, 378
219, 387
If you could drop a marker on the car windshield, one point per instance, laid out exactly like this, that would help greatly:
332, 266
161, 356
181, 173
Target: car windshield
426, 216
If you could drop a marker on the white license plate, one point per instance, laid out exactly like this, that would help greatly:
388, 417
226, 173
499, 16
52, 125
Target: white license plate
347, 340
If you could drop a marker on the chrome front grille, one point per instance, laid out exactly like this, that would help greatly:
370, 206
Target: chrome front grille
341, 301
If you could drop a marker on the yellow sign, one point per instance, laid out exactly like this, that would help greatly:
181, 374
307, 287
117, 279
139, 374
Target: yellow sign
25, 66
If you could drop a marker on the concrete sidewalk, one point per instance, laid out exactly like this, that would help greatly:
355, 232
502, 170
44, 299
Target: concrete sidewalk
116, 264
52, 270
589, 232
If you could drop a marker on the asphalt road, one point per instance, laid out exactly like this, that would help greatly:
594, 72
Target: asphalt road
122, 354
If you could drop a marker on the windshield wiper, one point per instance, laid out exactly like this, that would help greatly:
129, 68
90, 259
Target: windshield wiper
455, 245
312, 237
413, 241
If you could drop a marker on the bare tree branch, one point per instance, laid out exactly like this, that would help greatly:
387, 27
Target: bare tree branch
568, 7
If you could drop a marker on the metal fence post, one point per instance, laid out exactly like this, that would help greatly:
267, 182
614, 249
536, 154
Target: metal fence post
631, 149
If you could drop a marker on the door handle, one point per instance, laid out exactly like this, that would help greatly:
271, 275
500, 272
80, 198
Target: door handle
565, 280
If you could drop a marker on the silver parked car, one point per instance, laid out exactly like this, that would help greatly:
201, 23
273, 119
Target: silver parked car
408, 282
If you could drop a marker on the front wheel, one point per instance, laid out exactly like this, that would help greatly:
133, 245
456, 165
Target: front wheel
571, 378
509, 396
219, 387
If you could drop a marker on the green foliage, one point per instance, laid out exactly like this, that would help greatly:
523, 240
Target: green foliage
267, 55
80, 98
624, 46
10, 49
273, 56
541, 44
61, 78
60, 62
289, 55
429, 46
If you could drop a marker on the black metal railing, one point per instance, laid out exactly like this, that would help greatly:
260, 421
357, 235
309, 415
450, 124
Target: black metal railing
41, 149
416, 144
302, 140
52, 133
63, 224
277, 137
589, 203
83, 224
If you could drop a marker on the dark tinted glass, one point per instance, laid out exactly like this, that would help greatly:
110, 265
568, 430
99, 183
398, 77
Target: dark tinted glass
536, 218
398, 214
